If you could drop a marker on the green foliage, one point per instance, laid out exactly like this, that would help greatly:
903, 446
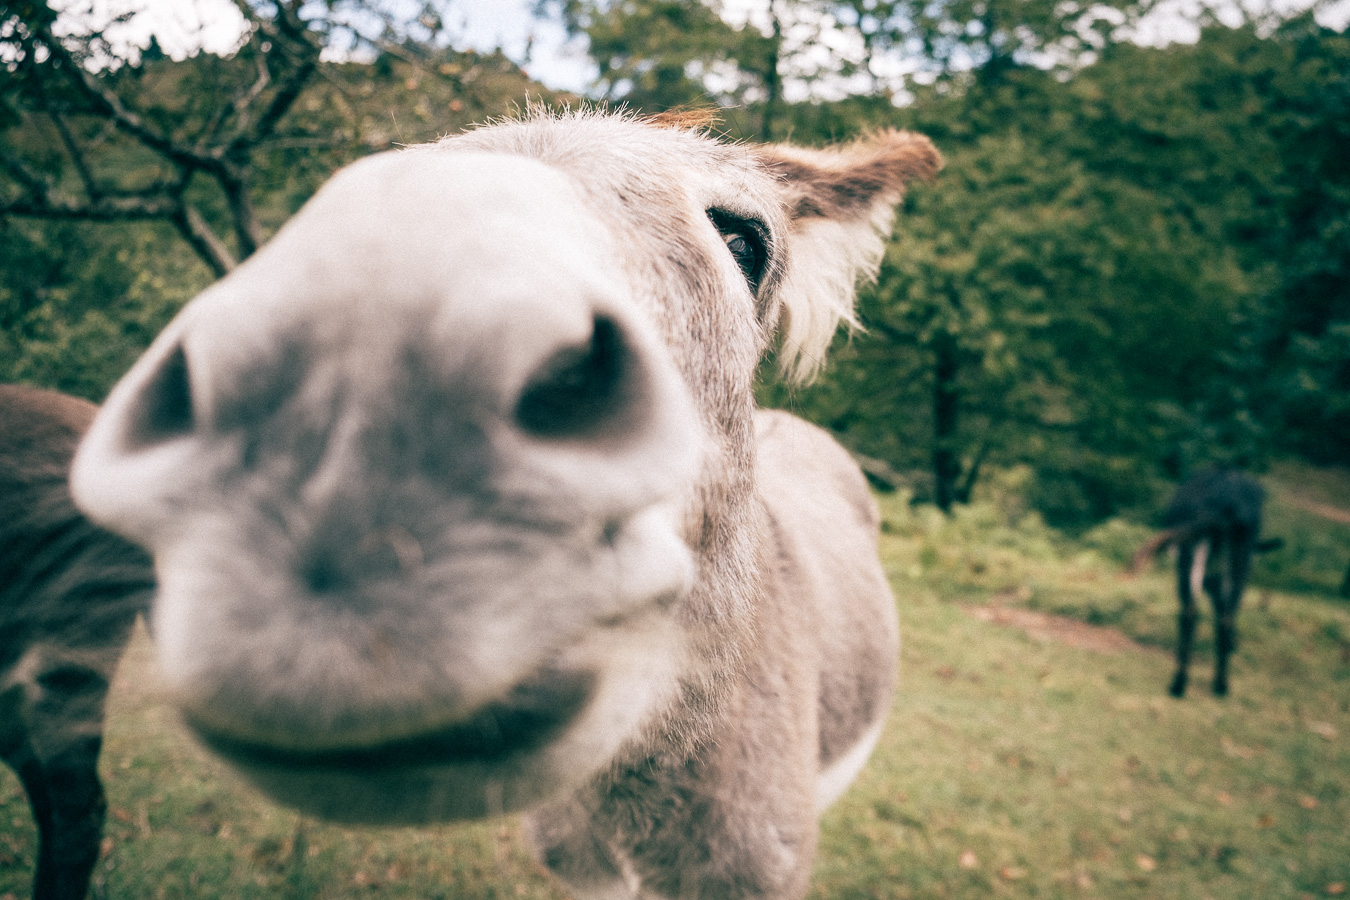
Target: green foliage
950, 39
1105, 281
79, 301
655, 54
1228, 133
86, 301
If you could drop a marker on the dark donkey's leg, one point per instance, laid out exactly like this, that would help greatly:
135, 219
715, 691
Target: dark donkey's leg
59, 769
1192, 557
1226, 595
68, 804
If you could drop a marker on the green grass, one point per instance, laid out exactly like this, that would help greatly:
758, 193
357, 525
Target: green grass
1013, 766
1316, 553
1025, 768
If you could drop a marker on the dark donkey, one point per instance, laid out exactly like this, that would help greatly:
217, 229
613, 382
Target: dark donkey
69, 595
1214, 520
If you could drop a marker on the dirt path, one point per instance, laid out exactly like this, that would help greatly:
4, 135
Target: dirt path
1316, 507
1059, 629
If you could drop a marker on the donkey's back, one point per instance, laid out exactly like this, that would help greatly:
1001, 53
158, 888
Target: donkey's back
1217, 499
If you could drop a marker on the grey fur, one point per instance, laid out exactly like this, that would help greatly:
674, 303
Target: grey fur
461, 503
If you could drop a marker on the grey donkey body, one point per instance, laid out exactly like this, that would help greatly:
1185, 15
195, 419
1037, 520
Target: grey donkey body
461, 505
69, 595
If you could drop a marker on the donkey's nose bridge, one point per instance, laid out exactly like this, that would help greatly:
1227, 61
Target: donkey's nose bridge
434, 336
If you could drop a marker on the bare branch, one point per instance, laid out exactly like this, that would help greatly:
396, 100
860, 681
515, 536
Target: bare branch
243, 103
247, 228
304, 46
32, 183
282, 101
194, 229
288, 18
286, 52
76, 154
105, 209
217, 123
108, 103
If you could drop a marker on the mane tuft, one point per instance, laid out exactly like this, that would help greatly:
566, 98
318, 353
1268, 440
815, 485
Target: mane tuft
690, 118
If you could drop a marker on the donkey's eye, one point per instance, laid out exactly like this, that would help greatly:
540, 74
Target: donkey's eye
744, 252
745, 240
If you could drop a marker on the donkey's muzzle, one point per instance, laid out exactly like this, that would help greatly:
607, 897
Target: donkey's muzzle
532, 715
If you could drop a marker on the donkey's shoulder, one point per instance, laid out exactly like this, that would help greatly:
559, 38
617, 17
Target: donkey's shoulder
802, 464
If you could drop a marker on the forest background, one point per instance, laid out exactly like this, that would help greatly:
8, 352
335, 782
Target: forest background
1136, 263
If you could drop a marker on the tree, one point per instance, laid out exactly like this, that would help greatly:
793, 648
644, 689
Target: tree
956, 364
109, 164
93, 136
659, 54
51, 86
1241, 138
656, 55
650, 53
962, 306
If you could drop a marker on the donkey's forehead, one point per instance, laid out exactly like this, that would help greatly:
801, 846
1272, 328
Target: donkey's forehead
614, 155
502, 201
397, 233
433, 219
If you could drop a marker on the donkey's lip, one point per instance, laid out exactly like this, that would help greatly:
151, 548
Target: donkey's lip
533, 714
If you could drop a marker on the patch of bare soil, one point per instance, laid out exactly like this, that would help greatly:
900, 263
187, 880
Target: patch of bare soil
1059, 629
1317, 508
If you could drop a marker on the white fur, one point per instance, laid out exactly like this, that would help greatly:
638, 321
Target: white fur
836, 779
1199, 563
828, 259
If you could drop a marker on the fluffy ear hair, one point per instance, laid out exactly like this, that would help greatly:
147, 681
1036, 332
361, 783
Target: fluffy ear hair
841, 203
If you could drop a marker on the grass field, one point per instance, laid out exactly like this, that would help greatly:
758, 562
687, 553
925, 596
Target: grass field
1032, 751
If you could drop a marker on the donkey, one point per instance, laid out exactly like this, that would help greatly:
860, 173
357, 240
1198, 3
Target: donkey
69, 595
460, 503
1214, 521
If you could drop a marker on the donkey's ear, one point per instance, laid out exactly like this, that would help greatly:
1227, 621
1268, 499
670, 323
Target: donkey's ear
841, 203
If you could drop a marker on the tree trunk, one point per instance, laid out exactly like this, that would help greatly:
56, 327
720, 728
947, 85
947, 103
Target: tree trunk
773, 82
946, 411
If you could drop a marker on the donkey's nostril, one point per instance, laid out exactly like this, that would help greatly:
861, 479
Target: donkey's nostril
163, 410
581, 391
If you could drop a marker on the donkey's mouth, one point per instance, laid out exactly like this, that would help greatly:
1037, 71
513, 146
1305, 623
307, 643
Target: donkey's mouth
532, 715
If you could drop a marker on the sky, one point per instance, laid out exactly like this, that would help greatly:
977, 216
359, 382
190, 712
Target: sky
183, 26
542, 48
